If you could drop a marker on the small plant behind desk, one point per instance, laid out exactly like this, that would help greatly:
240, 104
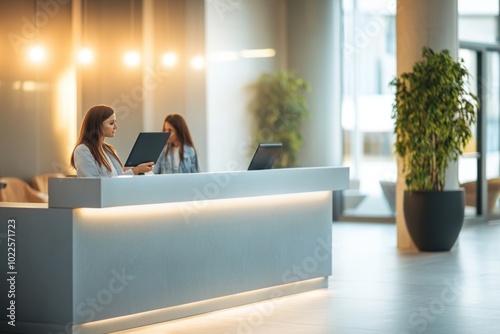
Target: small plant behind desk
279, 107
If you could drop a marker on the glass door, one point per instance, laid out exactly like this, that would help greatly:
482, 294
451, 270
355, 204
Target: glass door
469, 167
492, 133
479, 167
369, 65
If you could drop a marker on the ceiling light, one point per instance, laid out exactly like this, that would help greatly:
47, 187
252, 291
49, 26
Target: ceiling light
37, 54
169, 59
132, 58
197, 62
85, 56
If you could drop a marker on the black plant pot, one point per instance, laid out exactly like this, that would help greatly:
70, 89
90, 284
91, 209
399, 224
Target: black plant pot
434, 218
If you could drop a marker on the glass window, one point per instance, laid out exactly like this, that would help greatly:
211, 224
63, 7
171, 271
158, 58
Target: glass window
468, 162
369, 66
490, 109
493, 132
478, 21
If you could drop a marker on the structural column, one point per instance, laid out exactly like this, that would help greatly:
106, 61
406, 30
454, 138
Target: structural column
314, 51
422, 23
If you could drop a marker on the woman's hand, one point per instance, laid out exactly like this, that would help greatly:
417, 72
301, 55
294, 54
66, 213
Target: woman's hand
143, 168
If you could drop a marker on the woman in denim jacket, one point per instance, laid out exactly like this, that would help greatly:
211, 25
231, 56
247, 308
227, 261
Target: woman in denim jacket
179, 154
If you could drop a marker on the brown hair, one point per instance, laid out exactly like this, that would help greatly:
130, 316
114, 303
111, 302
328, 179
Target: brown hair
91, 135
182, 130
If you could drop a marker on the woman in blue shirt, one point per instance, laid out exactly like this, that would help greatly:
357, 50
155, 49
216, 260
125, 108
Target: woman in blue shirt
92, 156
179, 154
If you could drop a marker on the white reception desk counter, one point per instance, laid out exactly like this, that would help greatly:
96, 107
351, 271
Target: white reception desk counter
115, 253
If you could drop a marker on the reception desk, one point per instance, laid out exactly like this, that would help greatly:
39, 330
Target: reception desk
108, 254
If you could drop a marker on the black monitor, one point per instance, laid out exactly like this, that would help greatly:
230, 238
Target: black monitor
265, 155
147, 147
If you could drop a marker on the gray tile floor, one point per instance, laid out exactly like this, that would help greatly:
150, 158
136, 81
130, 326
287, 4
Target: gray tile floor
375, 288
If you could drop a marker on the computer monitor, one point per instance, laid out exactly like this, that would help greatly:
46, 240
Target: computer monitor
147, 147
265, 155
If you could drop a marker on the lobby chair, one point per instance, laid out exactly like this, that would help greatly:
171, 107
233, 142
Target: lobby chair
18, 190
389, 191
493, 193
352, 196
41, 182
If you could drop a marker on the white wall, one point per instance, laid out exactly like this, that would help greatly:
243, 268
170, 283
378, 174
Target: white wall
236, 26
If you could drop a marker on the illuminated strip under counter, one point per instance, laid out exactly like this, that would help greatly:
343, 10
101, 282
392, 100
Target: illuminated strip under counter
151, 189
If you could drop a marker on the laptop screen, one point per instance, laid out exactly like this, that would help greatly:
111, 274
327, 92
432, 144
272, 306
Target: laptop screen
147, 147
265, 155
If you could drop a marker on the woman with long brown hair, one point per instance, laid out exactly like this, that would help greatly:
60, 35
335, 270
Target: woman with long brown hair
179, 154
92, 156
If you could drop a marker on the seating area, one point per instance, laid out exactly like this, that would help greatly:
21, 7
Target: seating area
14, 189
18, 190
389, 191
493, 193
41, 182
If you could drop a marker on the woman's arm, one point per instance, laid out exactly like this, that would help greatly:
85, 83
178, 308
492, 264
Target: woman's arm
195, 167
139, 169
157, 168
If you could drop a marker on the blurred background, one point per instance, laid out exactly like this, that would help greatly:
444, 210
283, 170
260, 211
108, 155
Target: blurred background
199, 58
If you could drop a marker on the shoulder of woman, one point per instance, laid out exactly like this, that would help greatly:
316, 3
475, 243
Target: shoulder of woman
188, 148
82, 148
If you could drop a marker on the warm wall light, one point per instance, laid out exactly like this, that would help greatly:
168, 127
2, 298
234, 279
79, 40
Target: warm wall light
37, 54
197, 62
169, 59
258, 53
85, 56
29, 86
17, 85
132, 58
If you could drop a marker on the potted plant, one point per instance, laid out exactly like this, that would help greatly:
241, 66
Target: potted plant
433, 112
279, 107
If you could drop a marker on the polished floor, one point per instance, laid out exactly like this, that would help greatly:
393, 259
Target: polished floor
375, 288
